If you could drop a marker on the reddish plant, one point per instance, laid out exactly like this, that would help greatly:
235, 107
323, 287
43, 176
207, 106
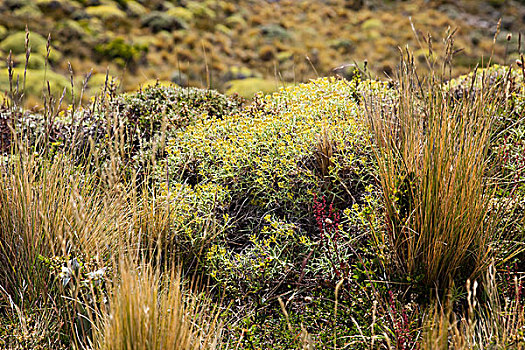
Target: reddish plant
401, 324
513, 285
328, 222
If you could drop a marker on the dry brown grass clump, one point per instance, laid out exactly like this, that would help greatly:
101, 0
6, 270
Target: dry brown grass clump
432, 156
153, 311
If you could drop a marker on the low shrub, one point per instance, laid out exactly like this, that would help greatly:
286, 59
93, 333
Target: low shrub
180, 106
122, 52
270, 161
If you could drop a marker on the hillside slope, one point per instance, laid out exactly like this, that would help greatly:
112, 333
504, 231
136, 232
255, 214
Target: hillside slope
218, 44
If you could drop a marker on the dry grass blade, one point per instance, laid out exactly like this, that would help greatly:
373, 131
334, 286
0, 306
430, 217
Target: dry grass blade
484, 325
48, 208
152, 311
431, 149
325, 151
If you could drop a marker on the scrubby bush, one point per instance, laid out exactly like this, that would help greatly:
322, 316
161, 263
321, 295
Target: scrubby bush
272, 159
180, 106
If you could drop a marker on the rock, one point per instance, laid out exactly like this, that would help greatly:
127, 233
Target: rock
159, 21
179, 78
348, 70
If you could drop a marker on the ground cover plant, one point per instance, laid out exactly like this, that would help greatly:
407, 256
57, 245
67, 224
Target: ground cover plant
340, 213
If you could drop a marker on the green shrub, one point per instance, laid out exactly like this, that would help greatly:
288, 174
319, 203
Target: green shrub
181, 107
222, 149
271, 158
195, 218
267, 258
118, 48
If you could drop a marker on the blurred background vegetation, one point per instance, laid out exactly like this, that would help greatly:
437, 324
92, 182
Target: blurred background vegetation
240, 46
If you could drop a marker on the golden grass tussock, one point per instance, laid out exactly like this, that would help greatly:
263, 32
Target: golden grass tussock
49, 208
150, 310
432, 157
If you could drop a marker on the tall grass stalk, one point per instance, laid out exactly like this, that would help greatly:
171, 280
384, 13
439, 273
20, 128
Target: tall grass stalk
431, 148
150, 310
491, 322
48, 208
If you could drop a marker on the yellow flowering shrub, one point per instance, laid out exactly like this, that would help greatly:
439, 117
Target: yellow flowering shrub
263, 263
194, 214
266, 153
268, 160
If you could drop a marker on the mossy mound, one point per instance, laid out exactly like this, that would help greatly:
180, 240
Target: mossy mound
16, 44
106, 12
36, 81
